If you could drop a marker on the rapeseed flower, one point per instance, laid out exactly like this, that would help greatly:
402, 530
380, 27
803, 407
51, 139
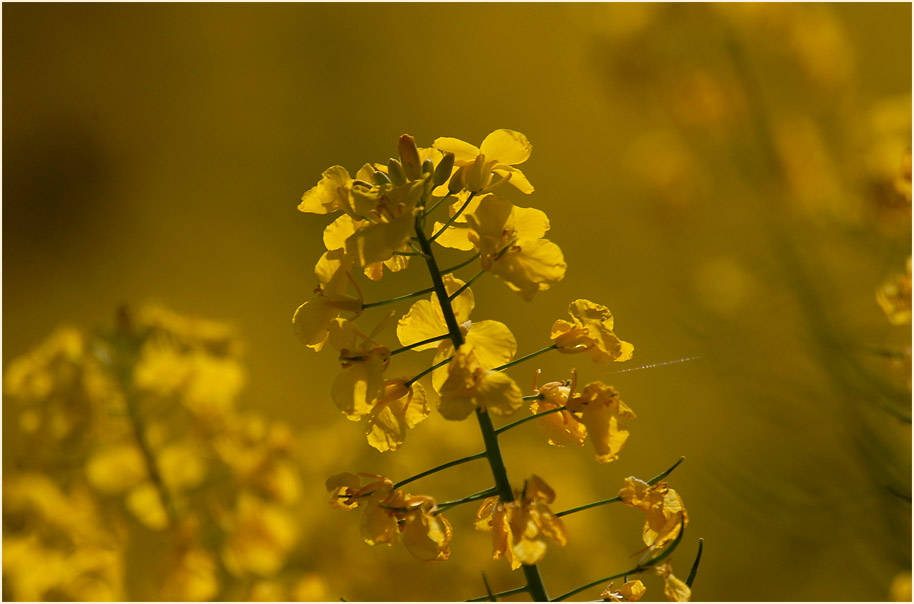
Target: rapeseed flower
492, 341
631, 591
499, 152
675, 589
590, 331
599, 408
666, 514
520, 528
469, 387
559, 428
312, 319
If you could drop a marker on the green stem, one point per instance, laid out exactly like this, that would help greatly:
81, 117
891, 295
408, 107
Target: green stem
526, 358
443, 466
452, 218
527, 419
638, 569
457, 267
534, 582
437, 203
616, 499
427, 290
501, 594
427, 371
469, 498
466, 285
694, 571
417, 344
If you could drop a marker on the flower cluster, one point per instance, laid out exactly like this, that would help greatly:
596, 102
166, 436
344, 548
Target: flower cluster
383, 213
147, 411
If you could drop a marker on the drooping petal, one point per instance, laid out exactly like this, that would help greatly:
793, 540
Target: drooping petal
515, 178
426, 535
377, 242
498, 393
400, 409
531, 266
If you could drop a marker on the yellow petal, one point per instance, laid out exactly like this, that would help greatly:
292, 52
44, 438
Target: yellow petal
426, 535
463, 152
378, 241
329, 194
115, 469
531, 266
389, 420
492, 342
144, 503
378, 525
337, 232
182, 466
311, 322
499, 394
456, 237
529, 223
508, 147
356, 388
516, 178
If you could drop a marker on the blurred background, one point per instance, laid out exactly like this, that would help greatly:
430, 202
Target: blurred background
732, 181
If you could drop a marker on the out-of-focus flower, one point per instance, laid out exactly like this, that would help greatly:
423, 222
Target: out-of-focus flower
492, 341
312, 319
591, 331
56, 545
260, 536
521, 528
500, 151
894, 296
674, 588
469, 387
631, 591
900, 590
390, 514
666, 514
192, 576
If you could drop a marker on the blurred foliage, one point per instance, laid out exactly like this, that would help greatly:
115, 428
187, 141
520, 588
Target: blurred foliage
732, 180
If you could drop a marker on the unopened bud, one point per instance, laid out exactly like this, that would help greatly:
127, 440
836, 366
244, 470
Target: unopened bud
455, 185
443, 170
395, 172
409, 155
428, 166
381, 178
477, 176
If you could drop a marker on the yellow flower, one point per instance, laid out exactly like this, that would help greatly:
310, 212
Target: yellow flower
562, 427
511, 246
631, 591
675, 589
469, 387
500, 151
601, 410
520, 528
401, 407
389, 225
666, 514
390, 514
361, 382
591, 331
313, 318
260, 536
341, 229
492, 341
894, 296
192, 576
338, 191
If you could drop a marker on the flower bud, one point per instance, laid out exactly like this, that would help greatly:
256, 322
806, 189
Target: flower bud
478, 174
409, 156
428, 166
381, 178
455, 185
395, 172
443, 171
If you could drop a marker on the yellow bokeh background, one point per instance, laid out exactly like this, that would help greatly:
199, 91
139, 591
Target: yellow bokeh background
724, 178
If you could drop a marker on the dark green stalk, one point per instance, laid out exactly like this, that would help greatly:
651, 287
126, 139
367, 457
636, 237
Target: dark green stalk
443, 466
694, 571
501, 594
527, 419
427, 290
452, 218
417, 344
526, 358
468, 499
534, 582
428, 371
638, 569
617, 499
466, 285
